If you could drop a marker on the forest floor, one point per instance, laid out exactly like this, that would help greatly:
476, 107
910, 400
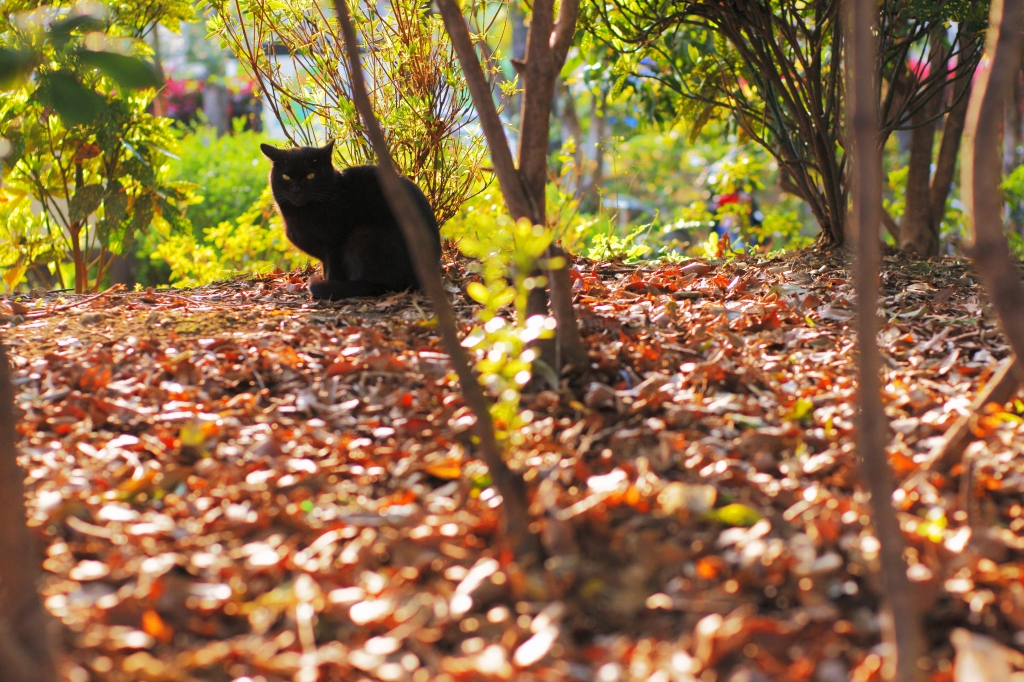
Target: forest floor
236, 482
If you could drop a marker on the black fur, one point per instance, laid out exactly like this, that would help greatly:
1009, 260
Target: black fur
342, 218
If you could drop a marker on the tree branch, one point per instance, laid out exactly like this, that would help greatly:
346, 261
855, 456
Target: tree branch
565, 29
949, 148
415, 231
890, 224
516, 198
1000, 387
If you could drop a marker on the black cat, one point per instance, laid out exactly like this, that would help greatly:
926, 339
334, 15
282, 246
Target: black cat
343, 219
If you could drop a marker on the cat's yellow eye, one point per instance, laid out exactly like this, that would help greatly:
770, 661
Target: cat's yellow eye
287, 177
310, 176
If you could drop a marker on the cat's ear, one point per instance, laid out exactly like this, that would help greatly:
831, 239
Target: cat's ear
328, 150
272, 153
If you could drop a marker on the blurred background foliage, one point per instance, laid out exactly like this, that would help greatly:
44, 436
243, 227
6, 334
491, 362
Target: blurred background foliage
150, 175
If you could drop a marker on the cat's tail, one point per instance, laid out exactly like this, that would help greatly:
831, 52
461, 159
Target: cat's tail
334, 290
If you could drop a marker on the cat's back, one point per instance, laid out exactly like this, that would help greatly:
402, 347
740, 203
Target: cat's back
359, 181
360, 185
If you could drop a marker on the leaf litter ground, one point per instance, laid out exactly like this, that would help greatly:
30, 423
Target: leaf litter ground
237, 483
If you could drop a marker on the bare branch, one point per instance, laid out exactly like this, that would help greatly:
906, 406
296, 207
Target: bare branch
509, 484
1001, 386
949, 148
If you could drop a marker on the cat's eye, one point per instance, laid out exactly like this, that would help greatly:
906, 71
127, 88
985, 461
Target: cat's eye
310, 176
287, 177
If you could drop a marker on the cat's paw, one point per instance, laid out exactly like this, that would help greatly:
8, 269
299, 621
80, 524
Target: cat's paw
319, 288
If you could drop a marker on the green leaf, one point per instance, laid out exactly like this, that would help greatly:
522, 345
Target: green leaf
801, 409
73, 102
115, 206
85, 202
13, 65
128, 72
503, 298
734, 515
478, 292
142, 215
60, 31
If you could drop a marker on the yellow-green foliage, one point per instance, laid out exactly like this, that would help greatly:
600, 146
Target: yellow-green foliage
79, 146
478, 217
503, 360
254, 243
24, 240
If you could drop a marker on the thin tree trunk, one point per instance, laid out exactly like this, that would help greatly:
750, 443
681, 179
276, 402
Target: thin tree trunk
509, 484
1011, 123
916, 235
159, 103
571, 127
981, 170
595, 151
124, 269
539, 74
520, 31
26, 645
81, 269
873, 428
949, 148
523, 187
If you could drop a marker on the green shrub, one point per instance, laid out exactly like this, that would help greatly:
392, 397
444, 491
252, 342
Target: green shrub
78, 140
229, 172
253, 243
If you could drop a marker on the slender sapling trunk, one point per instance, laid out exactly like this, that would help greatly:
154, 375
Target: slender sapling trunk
509, 484
873, 428
981, 171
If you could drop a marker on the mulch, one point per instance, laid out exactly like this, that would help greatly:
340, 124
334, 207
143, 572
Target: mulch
237, 483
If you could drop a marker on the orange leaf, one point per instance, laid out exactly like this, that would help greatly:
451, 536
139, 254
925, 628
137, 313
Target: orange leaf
341, 366
153, 624
448, 470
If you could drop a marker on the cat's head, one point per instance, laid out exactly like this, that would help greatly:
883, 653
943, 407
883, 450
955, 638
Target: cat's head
301, 175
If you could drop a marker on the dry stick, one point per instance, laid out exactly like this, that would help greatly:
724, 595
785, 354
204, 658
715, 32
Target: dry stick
521, 202
414, 229
981, 169
26, 653
873, 431
33, 314
1000, 388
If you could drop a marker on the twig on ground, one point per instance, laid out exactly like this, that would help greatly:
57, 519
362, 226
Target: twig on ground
35, 314
1001, 386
